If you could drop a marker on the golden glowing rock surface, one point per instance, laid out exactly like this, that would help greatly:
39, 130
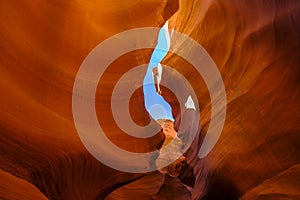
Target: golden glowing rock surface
255, 45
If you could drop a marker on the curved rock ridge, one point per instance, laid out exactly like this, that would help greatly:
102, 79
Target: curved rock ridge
255, 45
42, 46
256, 48
152, 186
281, 186
16, 188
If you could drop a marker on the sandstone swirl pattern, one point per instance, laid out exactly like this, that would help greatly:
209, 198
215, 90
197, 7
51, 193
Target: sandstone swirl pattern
255, 45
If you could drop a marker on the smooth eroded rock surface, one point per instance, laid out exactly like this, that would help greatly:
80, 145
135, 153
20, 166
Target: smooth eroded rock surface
255, 45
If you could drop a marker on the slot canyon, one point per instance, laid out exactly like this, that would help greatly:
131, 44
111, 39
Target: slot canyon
255, 46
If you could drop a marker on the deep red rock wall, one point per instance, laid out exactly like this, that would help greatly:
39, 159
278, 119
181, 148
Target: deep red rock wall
255, 45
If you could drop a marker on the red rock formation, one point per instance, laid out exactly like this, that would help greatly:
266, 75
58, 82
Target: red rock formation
16, 188
282, 186
255, 45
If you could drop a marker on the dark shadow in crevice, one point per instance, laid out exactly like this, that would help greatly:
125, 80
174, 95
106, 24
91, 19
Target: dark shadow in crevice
170, 9
221, 188
186, 175
104, 194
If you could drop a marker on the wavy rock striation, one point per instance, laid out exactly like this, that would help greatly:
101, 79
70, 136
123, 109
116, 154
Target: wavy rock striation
255, 45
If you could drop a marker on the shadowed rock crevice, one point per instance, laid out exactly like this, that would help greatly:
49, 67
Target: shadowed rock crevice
170, 9
79, 177
255, 45
221, 188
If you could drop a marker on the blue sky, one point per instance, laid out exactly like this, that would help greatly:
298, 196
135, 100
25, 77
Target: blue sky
155, 104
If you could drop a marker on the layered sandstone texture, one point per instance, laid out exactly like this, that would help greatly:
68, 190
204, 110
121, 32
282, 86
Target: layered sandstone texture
254, 44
